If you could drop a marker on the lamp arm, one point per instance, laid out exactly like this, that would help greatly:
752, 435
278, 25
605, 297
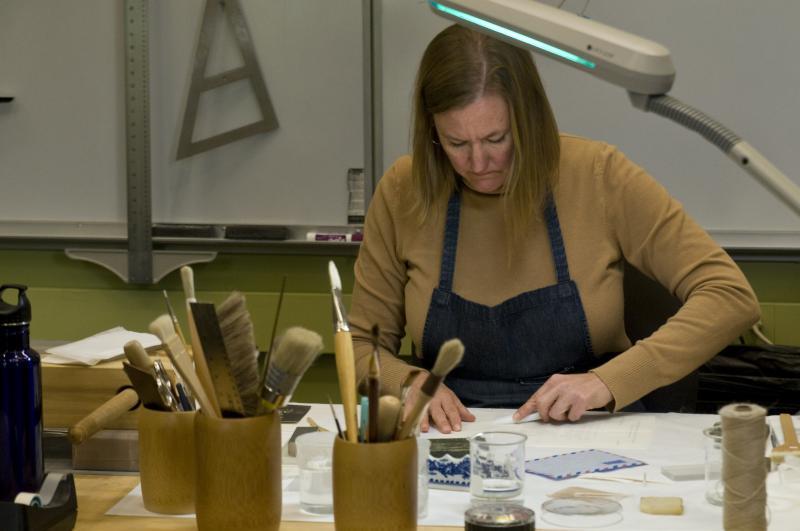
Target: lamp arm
745, 155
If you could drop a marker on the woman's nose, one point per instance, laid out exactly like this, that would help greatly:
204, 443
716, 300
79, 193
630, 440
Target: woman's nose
479, 158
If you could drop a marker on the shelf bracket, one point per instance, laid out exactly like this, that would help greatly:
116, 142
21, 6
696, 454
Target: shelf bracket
117, 260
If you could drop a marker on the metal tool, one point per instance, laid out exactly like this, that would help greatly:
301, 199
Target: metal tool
200, 83
208, 331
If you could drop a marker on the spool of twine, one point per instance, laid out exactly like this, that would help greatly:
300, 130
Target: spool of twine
743, 472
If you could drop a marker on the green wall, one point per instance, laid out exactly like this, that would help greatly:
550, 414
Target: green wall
73, 299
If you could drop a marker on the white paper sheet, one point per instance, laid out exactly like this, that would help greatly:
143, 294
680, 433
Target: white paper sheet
679, 440
92, 350
594, 430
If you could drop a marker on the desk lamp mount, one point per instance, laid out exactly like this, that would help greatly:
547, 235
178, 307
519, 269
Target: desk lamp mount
640, 66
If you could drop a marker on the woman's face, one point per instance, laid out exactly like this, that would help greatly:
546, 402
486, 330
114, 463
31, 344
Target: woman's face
477, 141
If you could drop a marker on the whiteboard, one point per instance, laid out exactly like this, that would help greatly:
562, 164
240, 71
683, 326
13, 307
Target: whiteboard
736, 60
62, 140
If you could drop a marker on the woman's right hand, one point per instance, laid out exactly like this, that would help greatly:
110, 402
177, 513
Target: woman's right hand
445, 410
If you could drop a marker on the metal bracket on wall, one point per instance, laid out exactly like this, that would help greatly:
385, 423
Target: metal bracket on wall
250, 71
139, 264
163, 262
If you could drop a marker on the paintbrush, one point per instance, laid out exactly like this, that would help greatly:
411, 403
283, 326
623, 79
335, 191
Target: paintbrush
374, 388
271, 344
200, 365
450, 354
240, 344
162, 327
294, 354
335, 418
345, 359
790, 444
175, 323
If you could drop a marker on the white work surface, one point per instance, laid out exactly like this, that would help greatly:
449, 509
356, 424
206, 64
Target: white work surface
656, 439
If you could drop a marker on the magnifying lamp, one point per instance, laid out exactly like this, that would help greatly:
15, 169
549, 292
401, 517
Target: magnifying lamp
640, 66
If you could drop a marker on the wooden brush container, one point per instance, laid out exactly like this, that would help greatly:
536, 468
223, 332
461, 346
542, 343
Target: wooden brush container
375, 485
238, 473
166, 460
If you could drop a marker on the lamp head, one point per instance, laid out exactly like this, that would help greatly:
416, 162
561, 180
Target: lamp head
638, 65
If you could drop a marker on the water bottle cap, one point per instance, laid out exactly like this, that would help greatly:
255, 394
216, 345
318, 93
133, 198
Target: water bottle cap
15, 313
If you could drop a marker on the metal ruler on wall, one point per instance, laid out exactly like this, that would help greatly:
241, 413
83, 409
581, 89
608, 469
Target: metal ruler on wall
139, 264
137, 139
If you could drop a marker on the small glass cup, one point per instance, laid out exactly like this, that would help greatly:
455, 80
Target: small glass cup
315, 462
497, 461
423, 451
713, 465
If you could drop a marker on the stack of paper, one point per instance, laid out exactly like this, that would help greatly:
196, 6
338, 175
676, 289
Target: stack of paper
99, 347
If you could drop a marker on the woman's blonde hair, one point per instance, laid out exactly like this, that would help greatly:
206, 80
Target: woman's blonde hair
458, 67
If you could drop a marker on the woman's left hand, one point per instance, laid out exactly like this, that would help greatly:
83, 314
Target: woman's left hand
566, 396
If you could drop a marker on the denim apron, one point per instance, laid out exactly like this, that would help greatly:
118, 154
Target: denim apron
512, 348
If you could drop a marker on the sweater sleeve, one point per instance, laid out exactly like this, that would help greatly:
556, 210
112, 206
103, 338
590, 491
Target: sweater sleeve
660, 239
379, 289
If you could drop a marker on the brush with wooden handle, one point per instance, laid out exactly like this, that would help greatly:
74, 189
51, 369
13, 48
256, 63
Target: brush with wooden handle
162, 327
450, 354
294, 354
175, 323
200, 365
124, 401
790, 444
374, 388
345, 357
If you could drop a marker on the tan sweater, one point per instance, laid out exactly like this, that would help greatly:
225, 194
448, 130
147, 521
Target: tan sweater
609, 209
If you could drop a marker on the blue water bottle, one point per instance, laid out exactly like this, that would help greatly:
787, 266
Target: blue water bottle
21, 460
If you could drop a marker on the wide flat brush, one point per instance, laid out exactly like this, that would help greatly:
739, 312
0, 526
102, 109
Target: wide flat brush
450, 354
294, 354
240, 344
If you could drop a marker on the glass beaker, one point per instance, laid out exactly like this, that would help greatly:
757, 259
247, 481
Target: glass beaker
713, 464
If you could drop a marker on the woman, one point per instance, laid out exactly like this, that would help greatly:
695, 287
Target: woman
511, 237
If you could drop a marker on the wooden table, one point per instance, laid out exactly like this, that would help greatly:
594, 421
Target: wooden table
97, 494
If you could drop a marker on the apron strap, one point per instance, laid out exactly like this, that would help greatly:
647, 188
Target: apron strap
450, 243
556, 242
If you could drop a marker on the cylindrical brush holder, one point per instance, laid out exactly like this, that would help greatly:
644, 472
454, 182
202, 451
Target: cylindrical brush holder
238, 473
375, 485
166, 460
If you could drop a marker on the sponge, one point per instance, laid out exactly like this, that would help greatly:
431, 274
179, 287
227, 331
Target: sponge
672, 505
